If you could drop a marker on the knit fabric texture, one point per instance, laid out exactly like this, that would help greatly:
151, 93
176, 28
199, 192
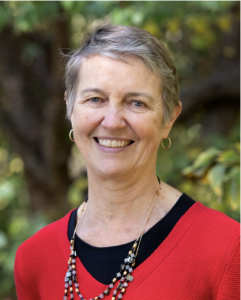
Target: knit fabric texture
103, 262
199, 259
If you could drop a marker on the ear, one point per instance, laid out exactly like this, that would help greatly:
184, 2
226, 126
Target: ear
177, 111
169, 124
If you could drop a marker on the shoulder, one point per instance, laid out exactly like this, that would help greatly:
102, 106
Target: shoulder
46, 234
214, 221
40, 247
217, 238
212, 232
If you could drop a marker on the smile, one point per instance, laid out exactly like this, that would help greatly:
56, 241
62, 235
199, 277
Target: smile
113, 143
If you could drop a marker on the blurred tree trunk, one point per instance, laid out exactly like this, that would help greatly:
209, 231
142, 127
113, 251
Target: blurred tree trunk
32, 112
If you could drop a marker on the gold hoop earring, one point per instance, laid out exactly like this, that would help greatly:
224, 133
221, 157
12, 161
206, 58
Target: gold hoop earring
170, 142
70, 135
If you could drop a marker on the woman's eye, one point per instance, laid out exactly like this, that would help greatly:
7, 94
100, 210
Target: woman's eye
95, 99
138, 103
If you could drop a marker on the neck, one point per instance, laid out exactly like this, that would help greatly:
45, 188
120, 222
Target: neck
116, 209
119, 199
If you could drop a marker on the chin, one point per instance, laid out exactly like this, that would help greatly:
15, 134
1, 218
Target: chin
112, 172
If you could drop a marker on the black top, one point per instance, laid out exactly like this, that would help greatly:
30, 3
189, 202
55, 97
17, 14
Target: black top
104, 262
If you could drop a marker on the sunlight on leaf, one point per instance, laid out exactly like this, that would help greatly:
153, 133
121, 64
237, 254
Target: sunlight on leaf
206, 158
215, 179
229, 157
6, 190
224, 22
234, 191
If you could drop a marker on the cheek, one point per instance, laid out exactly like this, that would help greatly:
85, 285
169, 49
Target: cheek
150, 126
88, 116
149, 132
80, 116
84, 122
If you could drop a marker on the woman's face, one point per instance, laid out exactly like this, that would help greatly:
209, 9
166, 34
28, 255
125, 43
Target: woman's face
118, 115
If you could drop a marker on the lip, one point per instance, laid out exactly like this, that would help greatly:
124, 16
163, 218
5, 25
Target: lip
112, 150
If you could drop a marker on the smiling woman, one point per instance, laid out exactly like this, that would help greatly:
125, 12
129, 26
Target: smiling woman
119, 103
135, 237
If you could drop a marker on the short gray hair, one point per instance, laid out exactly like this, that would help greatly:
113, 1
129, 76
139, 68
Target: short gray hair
119, 42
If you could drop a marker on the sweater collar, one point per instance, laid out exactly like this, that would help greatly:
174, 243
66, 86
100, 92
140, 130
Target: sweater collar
142, 271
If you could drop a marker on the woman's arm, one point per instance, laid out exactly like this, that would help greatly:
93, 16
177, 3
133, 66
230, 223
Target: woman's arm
230, 284
22, 289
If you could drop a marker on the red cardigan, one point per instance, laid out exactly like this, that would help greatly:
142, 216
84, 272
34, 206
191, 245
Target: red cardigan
198, 260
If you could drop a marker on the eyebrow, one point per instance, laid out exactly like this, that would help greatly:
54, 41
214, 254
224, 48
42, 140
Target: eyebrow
138, 94
95, 90
130, 94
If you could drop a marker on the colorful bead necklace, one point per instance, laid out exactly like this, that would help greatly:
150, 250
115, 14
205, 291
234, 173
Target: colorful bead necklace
124, 274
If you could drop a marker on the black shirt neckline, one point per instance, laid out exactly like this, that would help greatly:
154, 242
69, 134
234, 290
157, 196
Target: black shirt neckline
104, 262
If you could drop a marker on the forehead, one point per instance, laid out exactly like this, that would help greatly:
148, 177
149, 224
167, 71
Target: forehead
100, 71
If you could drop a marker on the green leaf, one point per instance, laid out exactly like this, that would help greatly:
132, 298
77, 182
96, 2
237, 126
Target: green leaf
188, 170
234, 189
232, 173
206, 159
229, 157
28, 15
215, 179
3, 240
5, 15
6, 190
75, 194
68, 5
202, 163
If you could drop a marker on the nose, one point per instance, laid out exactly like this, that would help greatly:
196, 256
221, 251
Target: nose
113, 118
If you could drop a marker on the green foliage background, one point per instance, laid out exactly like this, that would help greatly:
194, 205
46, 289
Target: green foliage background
204, 167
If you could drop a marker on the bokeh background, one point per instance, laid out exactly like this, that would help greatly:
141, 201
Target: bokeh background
42, 174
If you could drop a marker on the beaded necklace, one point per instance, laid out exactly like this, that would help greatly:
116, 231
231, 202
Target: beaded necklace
124, 273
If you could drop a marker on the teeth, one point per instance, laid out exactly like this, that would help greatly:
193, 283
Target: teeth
108, 143
113, 143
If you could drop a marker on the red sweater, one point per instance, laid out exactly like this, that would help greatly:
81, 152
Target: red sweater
198, 260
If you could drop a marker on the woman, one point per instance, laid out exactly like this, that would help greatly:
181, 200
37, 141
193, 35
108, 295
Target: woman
134, 237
